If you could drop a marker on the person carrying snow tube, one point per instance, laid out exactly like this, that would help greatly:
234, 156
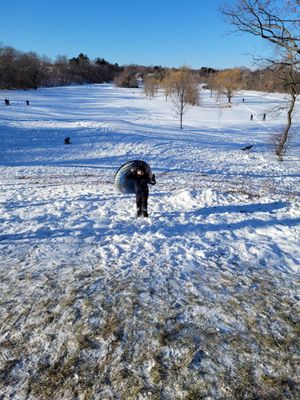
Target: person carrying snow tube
134, 177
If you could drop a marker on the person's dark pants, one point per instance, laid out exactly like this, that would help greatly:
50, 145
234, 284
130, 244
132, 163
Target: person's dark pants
141, 195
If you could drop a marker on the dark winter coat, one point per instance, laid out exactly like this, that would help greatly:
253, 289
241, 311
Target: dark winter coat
141, 190
141, 181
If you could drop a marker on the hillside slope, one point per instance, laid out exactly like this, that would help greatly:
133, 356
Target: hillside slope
200, 300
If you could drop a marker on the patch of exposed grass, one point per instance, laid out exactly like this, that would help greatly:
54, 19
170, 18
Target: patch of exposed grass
236, 337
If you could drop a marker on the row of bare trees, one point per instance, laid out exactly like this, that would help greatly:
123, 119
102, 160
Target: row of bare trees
271, 79
182, 86
20, 70
278, 23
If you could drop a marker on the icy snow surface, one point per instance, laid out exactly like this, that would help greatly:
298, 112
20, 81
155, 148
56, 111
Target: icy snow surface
85, 283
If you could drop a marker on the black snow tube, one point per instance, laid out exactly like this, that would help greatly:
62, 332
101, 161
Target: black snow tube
122, 183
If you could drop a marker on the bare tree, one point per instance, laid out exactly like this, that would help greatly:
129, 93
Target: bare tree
151, 85
8, 67
193, 91
167, 84
62, 70
127, 78
30, 70
280, 26
228, 82
184, 91
286, 71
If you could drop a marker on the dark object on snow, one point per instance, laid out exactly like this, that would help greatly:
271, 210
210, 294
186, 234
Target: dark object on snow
251, 117
67, 140
27, 102
6, 102
264, 117
247, 147
243, 100
134, 177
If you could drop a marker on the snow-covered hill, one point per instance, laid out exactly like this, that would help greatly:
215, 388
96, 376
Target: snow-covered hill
197, 301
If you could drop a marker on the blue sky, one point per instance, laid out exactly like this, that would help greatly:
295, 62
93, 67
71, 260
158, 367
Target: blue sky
168, 33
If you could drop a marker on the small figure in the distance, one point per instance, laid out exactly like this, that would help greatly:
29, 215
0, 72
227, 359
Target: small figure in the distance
264, 116
27, 102
6, 102
67, 140
251, 117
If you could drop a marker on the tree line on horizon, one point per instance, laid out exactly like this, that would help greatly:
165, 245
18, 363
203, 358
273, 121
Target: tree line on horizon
28, 70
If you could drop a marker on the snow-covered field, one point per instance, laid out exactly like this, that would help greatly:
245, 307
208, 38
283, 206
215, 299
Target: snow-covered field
199, 301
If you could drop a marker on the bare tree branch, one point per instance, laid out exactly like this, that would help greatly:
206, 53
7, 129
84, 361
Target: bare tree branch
258, 18
281, 27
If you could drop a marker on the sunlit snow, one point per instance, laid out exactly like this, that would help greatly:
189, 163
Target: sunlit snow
86, 283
